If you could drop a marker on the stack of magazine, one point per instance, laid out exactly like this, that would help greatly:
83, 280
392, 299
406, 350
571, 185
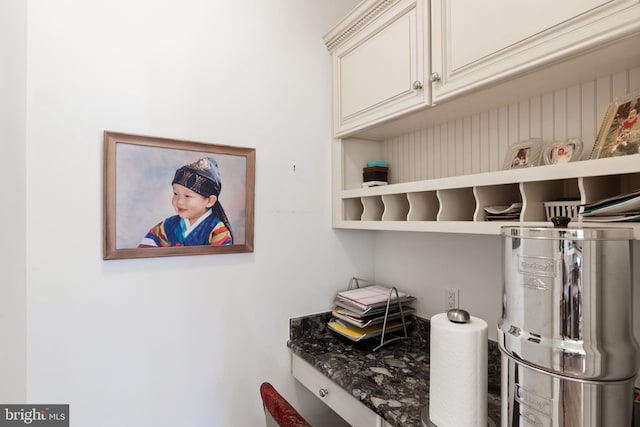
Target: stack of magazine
624, 207
503, 212
360, 313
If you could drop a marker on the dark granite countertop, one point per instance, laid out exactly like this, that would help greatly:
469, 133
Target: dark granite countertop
393, 381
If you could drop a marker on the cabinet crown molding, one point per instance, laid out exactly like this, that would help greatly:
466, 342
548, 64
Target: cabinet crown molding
358, 18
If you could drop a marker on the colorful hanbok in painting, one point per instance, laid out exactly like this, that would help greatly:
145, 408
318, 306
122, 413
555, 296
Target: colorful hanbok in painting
211, 228
176, 231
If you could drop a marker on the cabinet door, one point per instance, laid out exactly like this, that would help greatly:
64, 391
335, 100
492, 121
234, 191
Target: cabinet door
379, 72
480, 42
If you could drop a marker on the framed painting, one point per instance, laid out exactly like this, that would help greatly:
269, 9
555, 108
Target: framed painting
619, 133
168, 197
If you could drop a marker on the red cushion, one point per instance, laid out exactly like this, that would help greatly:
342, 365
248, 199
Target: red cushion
284, 414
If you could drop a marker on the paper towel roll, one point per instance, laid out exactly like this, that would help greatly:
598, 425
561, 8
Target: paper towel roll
458, 373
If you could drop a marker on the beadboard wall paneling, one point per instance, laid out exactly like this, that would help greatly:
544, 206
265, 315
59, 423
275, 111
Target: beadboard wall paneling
478, 142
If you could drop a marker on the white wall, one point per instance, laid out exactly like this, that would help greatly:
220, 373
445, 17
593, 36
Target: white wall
13, 178
181, 341
185, 341
426, 264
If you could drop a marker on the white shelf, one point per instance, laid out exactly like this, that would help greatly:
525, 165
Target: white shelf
456, 204
483, 228
585, 168
465, 227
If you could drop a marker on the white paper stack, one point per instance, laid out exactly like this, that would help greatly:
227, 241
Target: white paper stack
360, 313
458, 372
624, 207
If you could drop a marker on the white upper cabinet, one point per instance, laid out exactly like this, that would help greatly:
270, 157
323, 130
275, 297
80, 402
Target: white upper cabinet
508, 70
476, 43
380, 63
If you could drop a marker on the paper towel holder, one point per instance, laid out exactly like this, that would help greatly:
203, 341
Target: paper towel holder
458, 315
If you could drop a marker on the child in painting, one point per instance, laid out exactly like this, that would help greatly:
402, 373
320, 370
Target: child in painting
632, 118
628, 123
623, 143
200, 218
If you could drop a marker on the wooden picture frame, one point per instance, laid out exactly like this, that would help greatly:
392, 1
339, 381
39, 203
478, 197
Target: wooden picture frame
139, 176
619, 134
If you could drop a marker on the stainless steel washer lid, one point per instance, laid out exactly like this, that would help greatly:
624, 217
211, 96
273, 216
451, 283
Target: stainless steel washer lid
600, 233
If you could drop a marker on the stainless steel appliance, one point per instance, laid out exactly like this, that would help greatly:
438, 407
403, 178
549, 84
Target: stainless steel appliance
569, 356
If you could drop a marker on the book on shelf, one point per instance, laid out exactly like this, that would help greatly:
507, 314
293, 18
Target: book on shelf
629, 216
617, 204
623, 207
513, 208
502, 217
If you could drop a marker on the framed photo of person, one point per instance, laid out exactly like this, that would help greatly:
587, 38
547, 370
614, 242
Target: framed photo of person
619, 133
562, 151
523, 154
168, 197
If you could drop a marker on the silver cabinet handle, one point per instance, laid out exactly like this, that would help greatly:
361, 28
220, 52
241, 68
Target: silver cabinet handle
417, 85
323, 392
435, 77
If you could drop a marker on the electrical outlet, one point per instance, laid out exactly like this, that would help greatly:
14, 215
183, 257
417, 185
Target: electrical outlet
451, 298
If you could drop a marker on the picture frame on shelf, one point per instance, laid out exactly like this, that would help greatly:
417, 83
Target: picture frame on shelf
565, 151
523, 154
146, 182
619, 134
